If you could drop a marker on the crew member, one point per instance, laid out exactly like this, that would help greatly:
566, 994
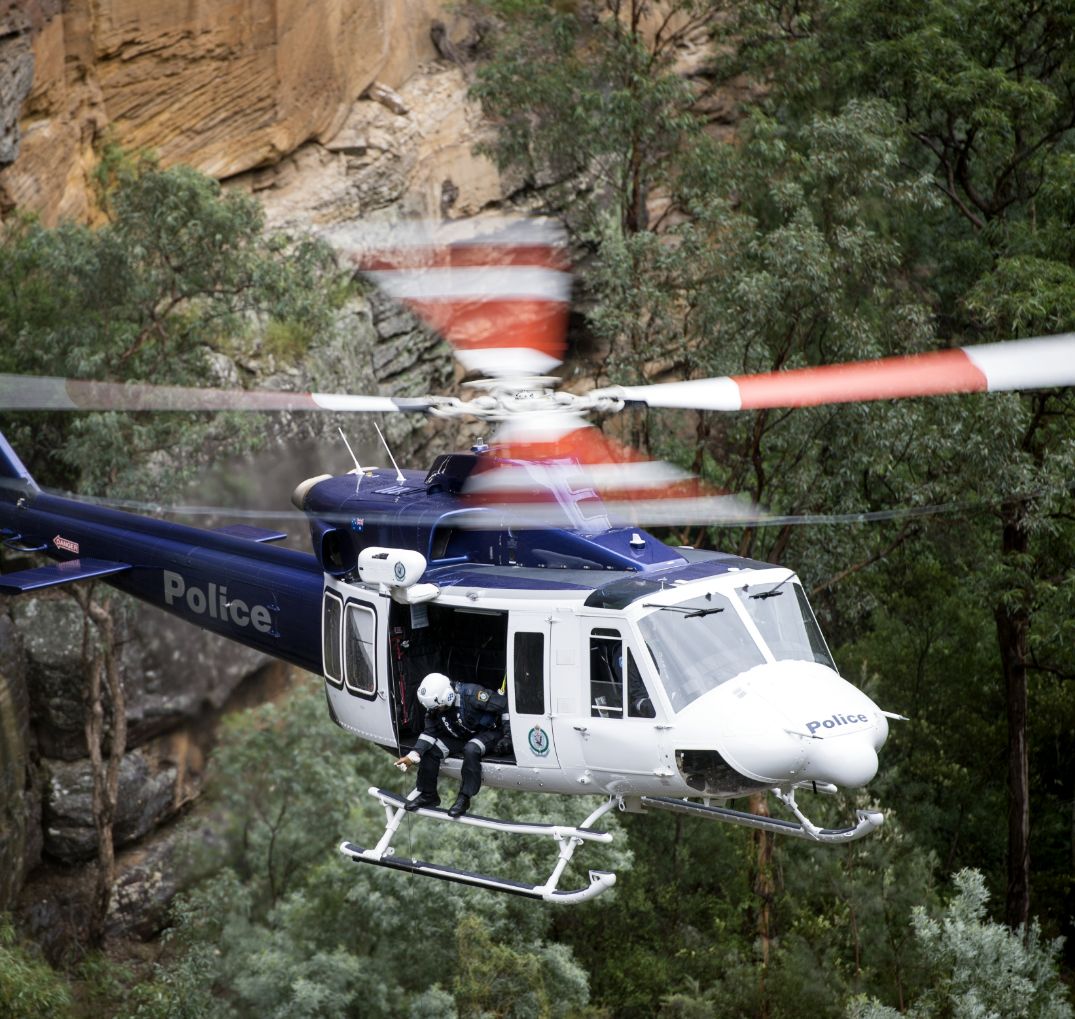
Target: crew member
460, 718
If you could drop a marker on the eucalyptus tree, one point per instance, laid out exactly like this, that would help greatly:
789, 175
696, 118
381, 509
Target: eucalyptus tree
777, 250
588, 100
985, 96
178, 273
977, 967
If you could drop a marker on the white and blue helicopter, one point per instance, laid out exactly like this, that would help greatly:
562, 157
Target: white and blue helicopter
658, 677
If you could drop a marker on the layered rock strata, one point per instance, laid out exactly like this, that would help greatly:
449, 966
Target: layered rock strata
222, 85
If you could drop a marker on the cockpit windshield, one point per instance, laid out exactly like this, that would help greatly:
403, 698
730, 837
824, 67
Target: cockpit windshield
697, 645
783, 616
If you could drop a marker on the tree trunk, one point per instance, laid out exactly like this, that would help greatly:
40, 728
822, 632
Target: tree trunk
764, 889
105, 776
1013, 626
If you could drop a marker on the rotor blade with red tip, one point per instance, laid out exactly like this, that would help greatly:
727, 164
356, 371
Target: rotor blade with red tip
575, 471
496, 289
26, 392
1039, 363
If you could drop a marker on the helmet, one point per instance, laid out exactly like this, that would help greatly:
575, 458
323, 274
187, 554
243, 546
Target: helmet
436, 692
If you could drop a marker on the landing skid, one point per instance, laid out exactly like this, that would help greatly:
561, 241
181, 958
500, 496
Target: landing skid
567, 838
868, 820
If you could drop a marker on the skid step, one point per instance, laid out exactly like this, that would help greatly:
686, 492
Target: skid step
394, 800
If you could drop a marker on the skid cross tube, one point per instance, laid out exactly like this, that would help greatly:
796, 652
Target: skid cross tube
568, 838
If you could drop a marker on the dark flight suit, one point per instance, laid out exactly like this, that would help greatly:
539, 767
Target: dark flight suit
470, 727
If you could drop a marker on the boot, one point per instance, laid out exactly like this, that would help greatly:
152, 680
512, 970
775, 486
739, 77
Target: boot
459, 808
422, 800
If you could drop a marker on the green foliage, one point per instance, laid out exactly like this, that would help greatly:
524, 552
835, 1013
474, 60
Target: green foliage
29, 989
279, 779
287, 341
586, 98
179, 270
286, 927
100, 984
978, 967
687, 931
495, 979
904, 172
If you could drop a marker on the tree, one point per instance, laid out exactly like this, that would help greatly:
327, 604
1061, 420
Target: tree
977, 967
984, 95
587, 95
498, 980
99, 657
180, 273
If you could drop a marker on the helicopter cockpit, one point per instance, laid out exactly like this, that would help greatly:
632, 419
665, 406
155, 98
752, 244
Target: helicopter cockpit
752, 692
700, 643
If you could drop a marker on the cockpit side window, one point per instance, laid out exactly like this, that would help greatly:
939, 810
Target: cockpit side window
606, 677
610, 660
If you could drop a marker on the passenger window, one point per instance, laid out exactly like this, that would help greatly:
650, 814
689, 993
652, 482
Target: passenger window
530, 673
606, 673
360, 660
331, 649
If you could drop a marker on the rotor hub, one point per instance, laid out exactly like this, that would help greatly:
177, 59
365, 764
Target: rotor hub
511, 398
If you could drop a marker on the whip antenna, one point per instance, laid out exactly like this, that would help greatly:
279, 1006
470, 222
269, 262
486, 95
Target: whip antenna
358, 466
399, 474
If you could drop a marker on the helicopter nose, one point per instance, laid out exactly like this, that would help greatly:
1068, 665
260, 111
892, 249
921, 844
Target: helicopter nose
787, 722
849, 761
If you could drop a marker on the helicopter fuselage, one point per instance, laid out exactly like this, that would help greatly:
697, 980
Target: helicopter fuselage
631, 668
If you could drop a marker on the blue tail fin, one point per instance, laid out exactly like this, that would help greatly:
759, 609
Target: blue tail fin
13, 472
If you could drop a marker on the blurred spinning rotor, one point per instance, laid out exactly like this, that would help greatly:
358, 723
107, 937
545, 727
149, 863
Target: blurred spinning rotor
498, 289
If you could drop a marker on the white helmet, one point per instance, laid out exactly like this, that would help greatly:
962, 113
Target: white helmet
436, 692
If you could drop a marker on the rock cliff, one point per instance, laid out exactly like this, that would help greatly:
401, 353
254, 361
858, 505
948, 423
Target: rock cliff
223, 85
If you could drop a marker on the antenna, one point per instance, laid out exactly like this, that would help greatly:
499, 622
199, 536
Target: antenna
399, 474
358, 466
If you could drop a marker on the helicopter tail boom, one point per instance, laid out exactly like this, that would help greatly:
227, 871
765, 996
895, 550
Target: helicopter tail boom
230, 581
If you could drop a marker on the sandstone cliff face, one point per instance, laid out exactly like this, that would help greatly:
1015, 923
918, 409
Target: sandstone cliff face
411, 156
223, 85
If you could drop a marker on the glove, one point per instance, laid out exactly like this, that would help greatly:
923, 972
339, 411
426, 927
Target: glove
407, 760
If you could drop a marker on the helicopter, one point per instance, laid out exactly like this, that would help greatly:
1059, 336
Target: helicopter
658, 677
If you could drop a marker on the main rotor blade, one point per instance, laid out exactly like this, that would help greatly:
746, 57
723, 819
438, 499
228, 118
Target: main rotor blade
496, 288
33, 392
1039, 363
